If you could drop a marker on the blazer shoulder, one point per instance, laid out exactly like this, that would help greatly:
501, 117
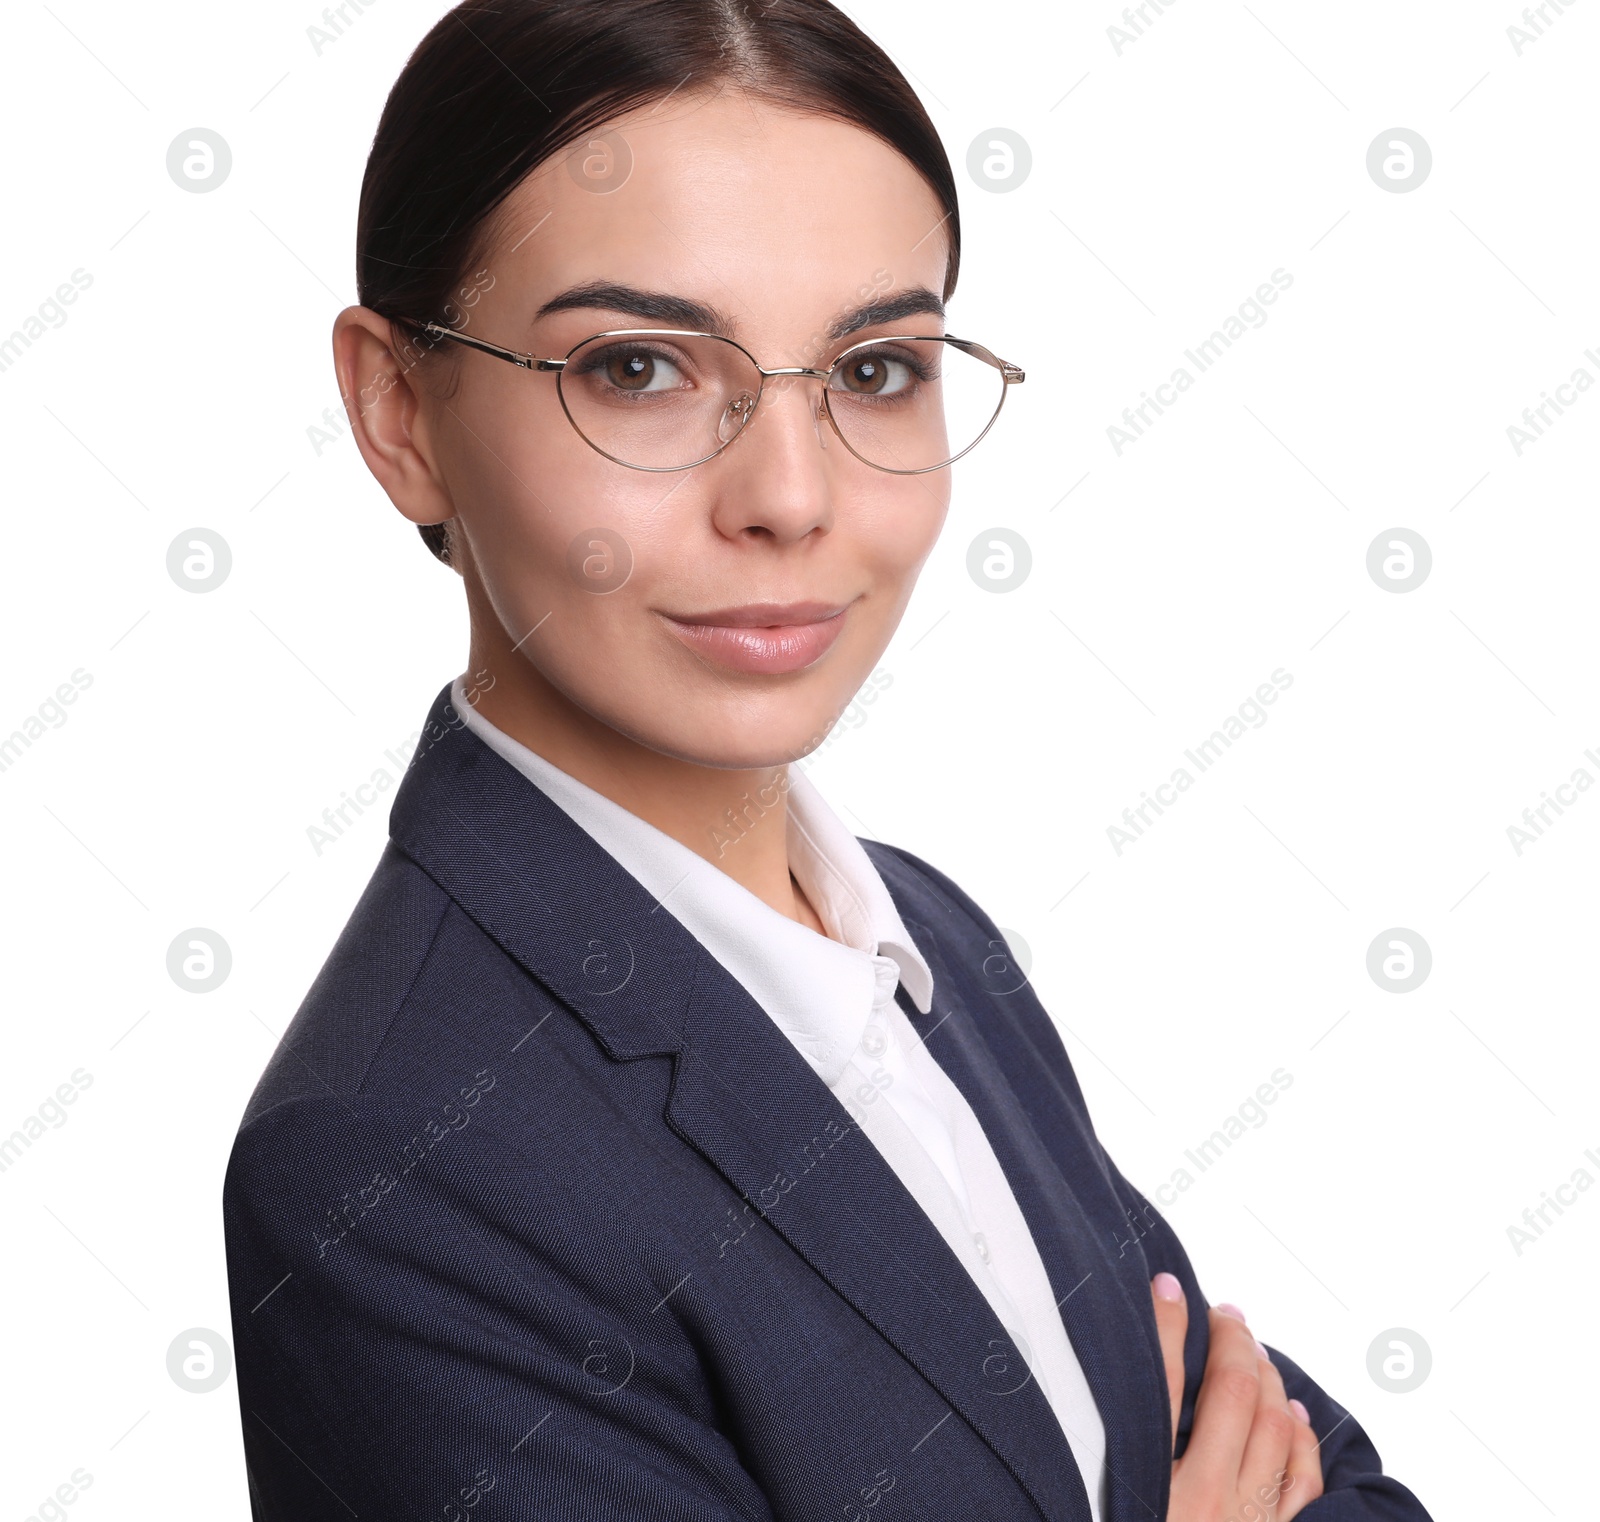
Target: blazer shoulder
360, 988
926, 894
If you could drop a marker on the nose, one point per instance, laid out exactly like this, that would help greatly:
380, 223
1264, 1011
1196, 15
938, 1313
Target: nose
774, 480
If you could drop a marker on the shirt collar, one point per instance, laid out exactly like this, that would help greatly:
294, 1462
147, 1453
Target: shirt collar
821, 991
845, 888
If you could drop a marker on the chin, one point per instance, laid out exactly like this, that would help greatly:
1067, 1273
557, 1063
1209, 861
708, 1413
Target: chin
729, 741
749, 753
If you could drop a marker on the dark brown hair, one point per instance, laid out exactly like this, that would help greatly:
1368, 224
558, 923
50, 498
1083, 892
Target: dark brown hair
498, 86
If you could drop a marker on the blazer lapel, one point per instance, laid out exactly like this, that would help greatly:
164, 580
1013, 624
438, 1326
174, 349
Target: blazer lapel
741, 1095
1123, 1367
745, 1099
543, 888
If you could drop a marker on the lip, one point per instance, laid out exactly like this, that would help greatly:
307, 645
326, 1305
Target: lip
765, 637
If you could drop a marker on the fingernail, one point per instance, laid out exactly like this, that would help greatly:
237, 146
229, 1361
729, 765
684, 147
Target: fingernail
1166, 1286
1299, 1409
1231, 1310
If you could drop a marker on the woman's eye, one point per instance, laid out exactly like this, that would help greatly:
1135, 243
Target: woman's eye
875, 375
638, 370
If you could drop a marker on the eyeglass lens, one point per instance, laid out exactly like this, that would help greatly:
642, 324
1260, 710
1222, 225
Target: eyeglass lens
668, 402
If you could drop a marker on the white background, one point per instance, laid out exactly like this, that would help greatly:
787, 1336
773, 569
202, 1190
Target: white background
1168, 582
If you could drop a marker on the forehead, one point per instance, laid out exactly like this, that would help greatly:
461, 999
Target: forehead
777, 218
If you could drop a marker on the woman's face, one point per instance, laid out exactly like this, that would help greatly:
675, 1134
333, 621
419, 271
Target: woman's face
783, 225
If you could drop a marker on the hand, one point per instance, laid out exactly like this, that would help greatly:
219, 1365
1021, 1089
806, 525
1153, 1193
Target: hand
1252, 1456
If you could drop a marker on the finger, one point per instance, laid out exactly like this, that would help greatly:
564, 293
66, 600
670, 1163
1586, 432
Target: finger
1266, 1453
1172, 1325
1224, 1410
1303, 1482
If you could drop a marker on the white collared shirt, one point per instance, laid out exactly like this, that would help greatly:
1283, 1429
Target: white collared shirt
833, 998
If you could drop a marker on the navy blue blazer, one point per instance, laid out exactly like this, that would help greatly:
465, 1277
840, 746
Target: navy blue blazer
536, 1214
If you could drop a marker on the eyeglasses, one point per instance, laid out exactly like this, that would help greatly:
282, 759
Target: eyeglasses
666, 399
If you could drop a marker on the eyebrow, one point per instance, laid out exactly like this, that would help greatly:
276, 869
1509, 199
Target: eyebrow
681, 311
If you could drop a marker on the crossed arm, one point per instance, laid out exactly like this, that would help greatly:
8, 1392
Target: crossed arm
1256, 1439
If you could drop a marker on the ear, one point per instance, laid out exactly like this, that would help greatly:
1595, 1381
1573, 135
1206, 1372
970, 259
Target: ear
377, 367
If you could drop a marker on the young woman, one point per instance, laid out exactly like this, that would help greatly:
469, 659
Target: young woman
649, 1146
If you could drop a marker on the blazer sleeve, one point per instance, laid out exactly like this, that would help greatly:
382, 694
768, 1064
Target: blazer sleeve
401, 1354
1355, 1488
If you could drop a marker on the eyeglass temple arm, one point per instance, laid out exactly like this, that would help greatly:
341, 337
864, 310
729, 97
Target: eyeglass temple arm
511, 356
1012, 374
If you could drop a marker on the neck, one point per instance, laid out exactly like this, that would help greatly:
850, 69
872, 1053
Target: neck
737, 819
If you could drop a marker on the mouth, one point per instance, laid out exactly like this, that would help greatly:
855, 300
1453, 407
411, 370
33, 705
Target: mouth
766, 637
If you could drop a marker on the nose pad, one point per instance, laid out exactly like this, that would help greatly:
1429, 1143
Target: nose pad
734, 416
737, 415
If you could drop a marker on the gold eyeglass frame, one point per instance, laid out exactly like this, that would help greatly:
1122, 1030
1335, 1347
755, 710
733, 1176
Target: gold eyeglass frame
1011, 375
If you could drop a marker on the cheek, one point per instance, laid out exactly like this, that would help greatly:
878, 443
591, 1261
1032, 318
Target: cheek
546, 521
564, 543
899, 527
